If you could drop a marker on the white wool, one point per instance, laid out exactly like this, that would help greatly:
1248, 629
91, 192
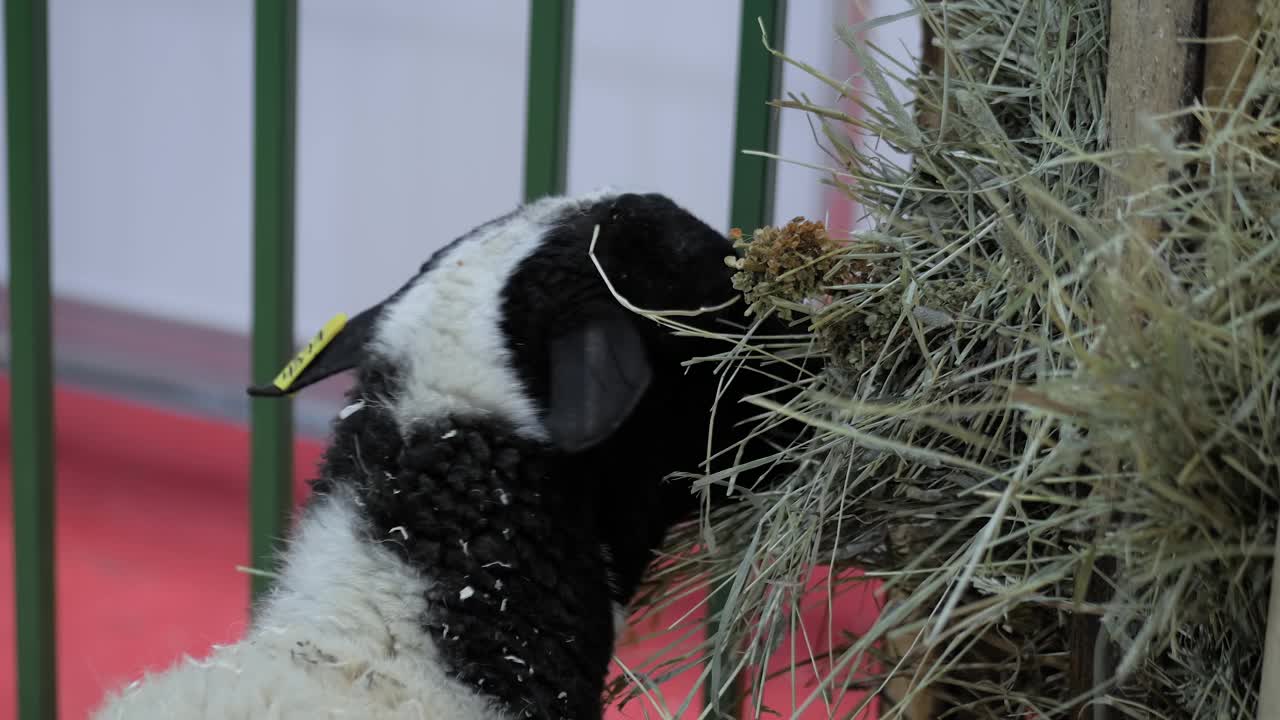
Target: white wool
445, 330
340, 637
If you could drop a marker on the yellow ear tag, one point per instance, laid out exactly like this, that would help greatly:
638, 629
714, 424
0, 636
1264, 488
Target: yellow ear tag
309, 351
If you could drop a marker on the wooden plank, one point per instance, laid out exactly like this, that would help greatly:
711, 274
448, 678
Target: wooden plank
1228, 68
1230, 57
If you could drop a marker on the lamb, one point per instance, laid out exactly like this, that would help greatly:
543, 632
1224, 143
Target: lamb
494, 492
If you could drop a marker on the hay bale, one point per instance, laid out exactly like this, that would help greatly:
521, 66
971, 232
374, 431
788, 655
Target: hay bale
1021, 393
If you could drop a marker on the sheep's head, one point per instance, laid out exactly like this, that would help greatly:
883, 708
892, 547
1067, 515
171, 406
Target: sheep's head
514, 321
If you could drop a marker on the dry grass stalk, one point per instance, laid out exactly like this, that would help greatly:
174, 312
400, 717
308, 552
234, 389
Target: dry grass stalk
1038, 395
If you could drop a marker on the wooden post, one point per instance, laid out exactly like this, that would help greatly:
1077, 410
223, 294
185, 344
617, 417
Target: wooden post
1229, 57
1152, 69
922, 705
1269, 686
932, 62
1229, 63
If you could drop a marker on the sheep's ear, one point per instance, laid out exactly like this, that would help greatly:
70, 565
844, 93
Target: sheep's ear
599, 372
339, 346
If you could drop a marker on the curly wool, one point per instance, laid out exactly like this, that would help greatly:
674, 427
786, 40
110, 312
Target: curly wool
519, 603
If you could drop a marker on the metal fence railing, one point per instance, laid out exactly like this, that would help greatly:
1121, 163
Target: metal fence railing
275, 61
30, 362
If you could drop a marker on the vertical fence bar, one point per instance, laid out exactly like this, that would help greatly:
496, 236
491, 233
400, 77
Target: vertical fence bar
275, 79
31, 378
756, 128
756, 125
547, 120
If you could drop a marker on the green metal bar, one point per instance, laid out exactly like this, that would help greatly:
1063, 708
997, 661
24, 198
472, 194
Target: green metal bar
31, 378
756, 128
759, 80
275, 84
547, 122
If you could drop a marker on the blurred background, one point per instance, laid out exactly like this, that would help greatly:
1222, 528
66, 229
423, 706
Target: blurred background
410, 132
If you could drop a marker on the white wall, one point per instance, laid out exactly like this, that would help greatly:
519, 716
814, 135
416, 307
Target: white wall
410, 133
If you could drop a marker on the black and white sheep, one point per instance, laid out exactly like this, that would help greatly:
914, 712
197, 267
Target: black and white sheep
494, 492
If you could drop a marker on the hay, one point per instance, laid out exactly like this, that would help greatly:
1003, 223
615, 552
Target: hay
1019, 394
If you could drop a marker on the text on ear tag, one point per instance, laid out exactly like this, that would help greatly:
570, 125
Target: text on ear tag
309, 351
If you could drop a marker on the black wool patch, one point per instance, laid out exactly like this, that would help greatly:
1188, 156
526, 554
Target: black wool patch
659, 257
519, 604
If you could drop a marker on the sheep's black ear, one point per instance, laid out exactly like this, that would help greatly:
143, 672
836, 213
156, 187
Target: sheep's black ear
337, 352
599, 372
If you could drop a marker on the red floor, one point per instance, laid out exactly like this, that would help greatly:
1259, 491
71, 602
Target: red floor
152, 511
